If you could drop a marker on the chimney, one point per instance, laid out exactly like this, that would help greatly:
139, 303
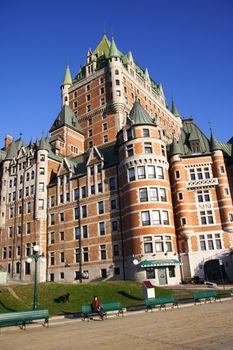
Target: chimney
8, 141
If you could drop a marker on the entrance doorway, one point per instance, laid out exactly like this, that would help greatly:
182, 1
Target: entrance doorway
162, 275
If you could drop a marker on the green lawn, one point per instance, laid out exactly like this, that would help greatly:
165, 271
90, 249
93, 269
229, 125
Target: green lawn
20, 297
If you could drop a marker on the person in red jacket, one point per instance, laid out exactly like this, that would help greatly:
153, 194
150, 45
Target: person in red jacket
96, 307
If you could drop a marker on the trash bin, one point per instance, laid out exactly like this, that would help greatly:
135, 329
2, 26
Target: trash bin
149, 291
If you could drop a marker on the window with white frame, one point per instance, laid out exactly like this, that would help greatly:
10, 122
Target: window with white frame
41, 204
160, 172
145, 218
210, 241
206, 217
151, 172
199, 173
141, 172
131, 174
203, 196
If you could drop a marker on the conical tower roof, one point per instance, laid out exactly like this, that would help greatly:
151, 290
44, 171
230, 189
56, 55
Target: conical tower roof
174, 109
43, 145
214, 144
67, 78
139, 115
103, 47
113, 49
175, 148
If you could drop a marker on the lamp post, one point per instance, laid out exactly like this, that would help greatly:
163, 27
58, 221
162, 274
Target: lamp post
35, 256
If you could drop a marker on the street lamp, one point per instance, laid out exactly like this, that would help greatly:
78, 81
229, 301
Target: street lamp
35, 256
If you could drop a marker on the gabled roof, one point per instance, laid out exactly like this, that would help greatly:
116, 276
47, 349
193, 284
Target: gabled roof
139, 116
66, 118
14, 148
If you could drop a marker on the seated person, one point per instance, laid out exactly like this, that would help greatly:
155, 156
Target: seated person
96, 307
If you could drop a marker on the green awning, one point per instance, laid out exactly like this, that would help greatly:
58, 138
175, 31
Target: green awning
155, 263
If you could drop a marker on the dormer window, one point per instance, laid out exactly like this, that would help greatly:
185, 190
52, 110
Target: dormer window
195, 146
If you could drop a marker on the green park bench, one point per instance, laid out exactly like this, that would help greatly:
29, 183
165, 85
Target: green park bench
206, 295
109, 306
160, 302
23, 317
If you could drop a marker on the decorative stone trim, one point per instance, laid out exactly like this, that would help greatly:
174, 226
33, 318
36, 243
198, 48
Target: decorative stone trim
201, 183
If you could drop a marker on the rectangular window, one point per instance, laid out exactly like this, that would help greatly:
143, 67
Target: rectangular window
131, 174
77, 232
103, 253
145, 132
103, 273
84, 211
62, 275
27, 191
165, 217
163, 195
52, 258
85, 231
76, 194
171, 271
130, 151
101, 207
52, 220
28, 225
27, 268
85, 254
143, 195
52, 201
29, 207
141, 172
62, 217
32, 190
61, 198
160, 172
41, 186
177, 174
148, 246
147, 147
112, 184
102, 228
84, 192
67, 196
77, 255
41, 204
145, 217
100, 187
151, 172
92, 189
62, 257
52, 237
62, 236
76, 213
150, 273
206, 217
42, 171
156, 218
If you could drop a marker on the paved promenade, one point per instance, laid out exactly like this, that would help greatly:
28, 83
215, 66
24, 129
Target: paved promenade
207, 327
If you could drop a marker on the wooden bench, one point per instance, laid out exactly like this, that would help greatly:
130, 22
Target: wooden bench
109, 306
206, 295
23, 317
160, 302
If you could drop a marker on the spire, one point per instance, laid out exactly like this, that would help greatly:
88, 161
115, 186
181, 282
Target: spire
130, 57
174, 109
161, 90
146, 74
67, 77
175, 148
214, 144
113, 49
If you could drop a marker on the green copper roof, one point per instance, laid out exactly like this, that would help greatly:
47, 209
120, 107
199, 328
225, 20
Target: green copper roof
214, 144
67, 78
12, 151
113, 50
189, 133
146, 74
103, 47
66, 118
174, 109
43, 144
139, 115
175, 148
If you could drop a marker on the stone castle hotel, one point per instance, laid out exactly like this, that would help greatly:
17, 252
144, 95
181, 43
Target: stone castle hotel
123, 187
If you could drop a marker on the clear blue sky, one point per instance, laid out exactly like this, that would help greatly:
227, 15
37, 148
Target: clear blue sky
187, 45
